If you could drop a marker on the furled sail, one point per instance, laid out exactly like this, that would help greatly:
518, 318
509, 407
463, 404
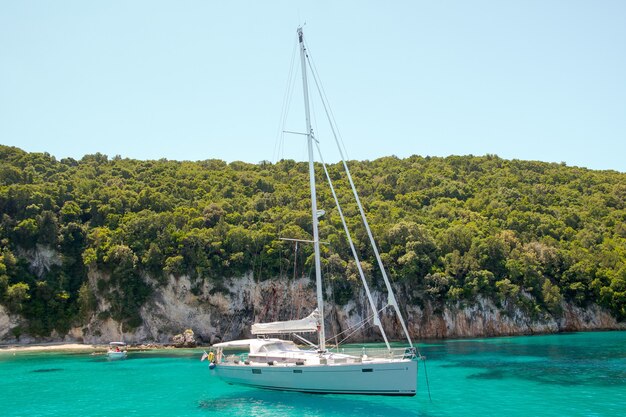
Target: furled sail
308, 324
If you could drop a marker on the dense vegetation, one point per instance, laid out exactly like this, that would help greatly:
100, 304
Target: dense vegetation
525, 234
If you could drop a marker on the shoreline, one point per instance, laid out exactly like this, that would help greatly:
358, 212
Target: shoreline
42, 347
49, 347
64, 346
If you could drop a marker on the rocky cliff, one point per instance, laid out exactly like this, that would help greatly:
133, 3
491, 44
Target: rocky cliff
226, 312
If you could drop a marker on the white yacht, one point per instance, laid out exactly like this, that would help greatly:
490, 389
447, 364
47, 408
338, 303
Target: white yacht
278, 364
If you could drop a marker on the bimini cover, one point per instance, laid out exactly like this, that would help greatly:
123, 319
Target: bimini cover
306, 325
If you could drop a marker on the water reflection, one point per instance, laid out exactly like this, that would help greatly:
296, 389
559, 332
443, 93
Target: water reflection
262, 402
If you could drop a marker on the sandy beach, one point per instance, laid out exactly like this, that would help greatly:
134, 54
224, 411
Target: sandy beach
50, 346
79, 346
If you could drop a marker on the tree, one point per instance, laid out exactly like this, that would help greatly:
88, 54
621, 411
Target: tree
551, 296
26, 233
507, 290
16, 295
70, 212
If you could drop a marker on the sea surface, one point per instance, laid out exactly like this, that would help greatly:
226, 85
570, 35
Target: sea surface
577, 374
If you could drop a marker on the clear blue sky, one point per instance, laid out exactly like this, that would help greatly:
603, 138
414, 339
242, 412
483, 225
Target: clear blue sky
191, 80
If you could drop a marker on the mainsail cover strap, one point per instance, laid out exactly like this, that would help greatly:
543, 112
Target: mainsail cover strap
308, 324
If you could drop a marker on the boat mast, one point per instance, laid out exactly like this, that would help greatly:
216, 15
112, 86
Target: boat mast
316, 241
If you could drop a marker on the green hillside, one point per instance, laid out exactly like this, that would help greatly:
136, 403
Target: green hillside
522, 233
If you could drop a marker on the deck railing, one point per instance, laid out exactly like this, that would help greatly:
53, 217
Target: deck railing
377, 353
352, 355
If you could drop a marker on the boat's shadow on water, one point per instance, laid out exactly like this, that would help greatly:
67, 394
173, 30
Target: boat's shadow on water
261, 402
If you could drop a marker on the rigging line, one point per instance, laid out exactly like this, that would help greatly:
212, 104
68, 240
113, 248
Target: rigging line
353, 329
230, 325
359, 325
333, 124
426, 376
324, 98
314, 124
279, 145
295, 262
390, 294
377, 321
290, 90
334, 316
355, 326
280, 263
292, 93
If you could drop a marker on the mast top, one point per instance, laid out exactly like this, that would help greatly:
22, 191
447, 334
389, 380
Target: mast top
300, 34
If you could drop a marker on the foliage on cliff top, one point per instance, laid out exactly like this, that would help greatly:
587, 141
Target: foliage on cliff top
450, 229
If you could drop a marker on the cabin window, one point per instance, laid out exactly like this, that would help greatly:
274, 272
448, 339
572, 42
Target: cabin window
256, 371
280, 347
367, 370
297, 371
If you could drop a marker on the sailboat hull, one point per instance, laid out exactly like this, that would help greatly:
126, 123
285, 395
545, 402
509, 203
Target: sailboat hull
380, 378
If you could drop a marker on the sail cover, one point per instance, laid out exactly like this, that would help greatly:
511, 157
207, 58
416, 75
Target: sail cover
306, 325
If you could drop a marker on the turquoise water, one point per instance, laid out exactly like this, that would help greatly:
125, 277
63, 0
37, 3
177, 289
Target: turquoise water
579, 374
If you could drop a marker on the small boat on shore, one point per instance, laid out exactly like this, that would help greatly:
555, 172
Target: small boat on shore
117, 350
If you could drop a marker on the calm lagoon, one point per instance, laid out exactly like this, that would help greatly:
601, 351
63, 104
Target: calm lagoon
576, 374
